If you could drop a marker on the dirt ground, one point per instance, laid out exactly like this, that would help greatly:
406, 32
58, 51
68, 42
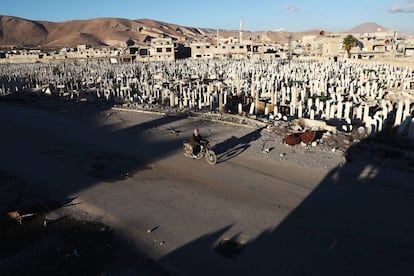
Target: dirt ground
55, 238
40, 242
42, 236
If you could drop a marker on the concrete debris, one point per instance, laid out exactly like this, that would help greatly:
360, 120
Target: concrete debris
18, 216
152, 229
54, 215
266, 150
359, 133
312, 125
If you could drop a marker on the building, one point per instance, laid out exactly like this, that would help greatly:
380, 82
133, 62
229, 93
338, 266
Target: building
160, 49
233, 48
368, 46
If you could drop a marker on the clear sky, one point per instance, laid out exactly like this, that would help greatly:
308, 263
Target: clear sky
257, 15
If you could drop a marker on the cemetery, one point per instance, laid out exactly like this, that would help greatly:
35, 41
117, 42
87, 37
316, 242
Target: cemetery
372, 95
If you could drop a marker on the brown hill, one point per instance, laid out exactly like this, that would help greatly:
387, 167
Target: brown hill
368, 28
114, 32
17, 31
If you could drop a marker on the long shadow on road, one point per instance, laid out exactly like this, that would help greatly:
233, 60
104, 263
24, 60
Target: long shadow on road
234, 146
359, 220
73, 154
46, 146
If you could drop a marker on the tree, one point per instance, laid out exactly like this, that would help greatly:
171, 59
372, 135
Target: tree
349, 42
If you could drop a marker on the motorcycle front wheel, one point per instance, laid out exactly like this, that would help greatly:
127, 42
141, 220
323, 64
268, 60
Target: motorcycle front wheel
211, 157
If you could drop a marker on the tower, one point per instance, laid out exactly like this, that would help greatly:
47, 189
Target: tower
241, 30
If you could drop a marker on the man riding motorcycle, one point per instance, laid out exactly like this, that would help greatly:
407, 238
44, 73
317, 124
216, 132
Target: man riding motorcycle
198, 148
196, 141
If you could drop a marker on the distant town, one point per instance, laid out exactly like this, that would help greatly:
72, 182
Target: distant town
384, 45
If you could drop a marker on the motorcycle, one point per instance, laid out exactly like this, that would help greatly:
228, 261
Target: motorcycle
205, 151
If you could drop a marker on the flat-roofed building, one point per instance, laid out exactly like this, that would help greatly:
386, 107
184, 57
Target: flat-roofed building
368, 45
160, 49
232, 48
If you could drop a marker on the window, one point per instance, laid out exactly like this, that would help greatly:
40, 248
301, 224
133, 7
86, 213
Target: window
159, 50
169, 50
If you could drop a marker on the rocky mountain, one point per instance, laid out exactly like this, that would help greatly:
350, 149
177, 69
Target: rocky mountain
118, 32
115, 32
96, 32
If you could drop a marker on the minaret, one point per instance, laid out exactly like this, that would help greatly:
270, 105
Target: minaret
241, 30
217, 38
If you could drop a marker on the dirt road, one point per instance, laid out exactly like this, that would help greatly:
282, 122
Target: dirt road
247, 215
